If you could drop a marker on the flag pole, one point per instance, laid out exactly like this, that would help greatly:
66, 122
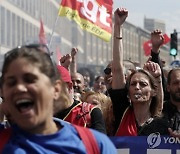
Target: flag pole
49, 45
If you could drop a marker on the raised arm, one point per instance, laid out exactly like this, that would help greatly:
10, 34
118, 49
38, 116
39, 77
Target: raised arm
118, 78
155, 71
157, 40
73, 66
66, 61
69, 61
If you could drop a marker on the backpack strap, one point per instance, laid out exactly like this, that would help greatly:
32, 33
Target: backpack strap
4, 137
84, 133
88, 139
86, 110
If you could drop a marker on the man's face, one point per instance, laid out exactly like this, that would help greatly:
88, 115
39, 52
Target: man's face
174, 86
78, 82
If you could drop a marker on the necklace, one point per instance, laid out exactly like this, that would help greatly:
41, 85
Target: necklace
148, 121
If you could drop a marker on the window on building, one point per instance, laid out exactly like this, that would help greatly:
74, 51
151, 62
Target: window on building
18, 31
23, 31
14, 27
9, 29
2, 25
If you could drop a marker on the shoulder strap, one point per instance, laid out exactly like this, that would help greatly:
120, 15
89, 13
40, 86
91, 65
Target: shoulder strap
88, 139
4, 137
87, 109
84, 133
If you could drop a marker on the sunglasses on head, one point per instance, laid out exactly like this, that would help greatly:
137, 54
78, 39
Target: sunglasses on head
40, 47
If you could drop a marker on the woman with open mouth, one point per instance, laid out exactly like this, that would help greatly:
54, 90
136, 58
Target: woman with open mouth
138, 100
30, 84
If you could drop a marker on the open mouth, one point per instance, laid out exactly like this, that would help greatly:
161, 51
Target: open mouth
137, 96
24, 105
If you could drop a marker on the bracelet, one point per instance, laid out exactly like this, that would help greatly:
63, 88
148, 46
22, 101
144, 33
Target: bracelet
155, 52
118, 37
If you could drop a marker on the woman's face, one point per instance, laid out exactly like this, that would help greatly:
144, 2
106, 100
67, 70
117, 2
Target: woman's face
28, 95
140, 89
99, 85
92, 99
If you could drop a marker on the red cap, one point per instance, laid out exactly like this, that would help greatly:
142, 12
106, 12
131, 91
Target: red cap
64, 73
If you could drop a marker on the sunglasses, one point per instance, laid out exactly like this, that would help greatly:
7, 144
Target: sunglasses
40, 47
107, 71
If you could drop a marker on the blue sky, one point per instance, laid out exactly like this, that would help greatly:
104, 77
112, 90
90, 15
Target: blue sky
165, 10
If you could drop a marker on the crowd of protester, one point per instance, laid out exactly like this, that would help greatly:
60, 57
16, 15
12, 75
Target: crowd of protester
46, 106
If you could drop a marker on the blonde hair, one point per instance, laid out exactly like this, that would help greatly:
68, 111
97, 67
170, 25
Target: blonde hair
64, 100
106, 108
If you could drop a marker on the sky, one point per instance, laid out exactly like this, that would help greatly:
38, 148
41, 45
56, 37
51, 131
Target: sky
164, 10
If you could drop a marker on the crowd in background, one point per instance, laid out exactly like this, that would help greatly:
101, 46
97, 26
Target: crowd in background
119, 102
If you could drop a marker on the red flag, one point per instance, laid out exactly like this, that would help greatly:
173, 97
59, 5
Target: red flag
166, 38
147, 47
107, 3
93, 16
42, 37
58, 55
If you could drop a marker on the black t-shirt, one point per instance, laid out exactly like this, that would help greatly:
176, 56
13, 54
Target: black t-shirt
121, 103
172, 115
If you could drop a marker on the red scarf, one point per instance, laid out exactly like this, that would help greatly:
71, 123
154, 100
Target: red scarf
127, 126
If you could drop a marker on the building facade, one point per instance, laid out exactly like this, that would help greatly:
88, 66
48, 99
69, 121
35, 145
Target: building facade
152, 24
20, 23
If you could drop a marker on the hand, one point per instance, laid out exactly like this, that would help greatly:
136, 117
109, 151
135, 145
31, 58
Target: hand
153, 68
120, 16
175, 133
108, 81
74, 52
66, 61
157, 40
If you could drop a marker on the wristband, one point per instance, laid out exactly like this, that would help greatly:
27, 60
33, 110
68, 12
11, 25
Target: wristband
118, 37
